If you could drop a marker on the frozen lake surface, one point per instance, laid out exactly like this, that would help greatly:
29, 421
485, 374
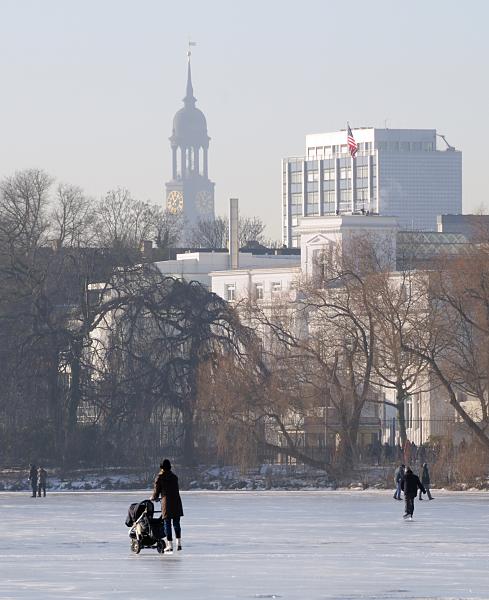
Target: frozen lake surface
290, 545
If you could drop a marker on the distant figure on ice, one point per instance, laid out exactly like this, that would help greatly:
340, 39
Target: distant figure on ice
166, 486
33, 479
398, 476
410, 485
426, 481
41, 481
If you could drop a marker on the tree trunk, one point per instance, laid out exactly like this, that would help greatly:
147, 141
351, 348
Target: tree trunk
401, 415
54, 402
74, 398
188, 449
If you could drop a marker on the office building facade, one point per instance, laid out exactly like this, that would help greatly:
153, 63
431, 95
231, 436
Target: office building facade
396, 172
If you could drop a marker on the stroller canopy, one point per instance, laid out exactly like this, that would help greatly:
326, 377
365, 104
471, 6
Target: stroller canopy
137, 509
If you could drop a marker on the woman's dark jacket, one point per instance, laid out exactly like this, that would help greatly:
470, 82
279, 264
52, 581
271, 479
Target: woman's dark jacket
166, 486
410, 484
425, 476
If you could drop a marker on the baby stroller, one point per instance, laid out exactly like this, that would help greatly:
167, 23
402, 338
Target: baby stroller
146, 530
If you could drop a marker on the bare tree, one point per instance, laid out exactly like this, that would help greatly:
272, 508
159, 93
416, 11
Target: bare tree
452, 333
73, 217
123, 222
168, 228
395, 299
23, 201
210, 233
214, 233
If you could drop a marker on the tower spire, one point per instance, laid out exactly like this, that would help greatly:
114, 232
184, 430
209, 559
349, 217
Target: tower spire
189, 95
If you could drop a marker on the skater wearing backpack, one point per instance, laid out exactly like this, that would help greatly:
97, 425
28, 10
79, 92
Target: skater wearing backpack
166, 486
410, 485
398, 475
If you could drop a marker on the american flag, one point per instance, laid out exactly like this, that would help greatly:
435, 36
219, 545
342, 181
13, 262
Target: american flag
352, 145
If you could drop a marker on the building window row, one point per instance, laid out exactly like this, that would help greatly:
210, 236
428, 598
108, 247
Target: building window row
321, 152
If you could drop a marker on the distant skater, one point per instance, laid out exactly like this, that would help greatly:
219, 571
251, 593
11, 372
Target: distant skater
166, 486
398, 476
426, 481
33, 479
410, 485
41, 481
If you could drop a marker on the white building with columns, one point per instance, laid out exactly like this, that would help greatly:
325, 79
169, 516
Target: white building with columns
427, 412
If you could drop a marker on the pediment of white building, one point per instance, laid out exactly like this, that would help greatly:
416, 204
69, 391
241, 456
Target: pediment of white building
319, 240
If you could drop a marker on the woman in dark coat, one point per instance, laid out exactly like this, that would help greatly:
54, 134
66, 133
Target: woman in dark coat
166, 486
426, 481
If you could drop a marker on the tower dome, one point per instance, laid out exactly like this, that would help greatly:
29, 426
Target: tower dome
189, 123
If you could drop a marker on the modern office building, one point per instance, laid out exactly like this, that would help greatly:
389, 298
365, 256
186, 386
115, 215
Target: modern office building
190, 192
396, 172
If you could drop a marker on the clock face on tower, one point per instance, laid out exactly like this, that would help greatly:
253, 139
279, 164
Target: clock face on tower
174, 202
203, 201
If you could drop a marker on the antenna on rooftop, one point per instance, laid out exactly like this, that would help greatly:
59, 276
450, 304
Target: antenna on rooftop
449, 148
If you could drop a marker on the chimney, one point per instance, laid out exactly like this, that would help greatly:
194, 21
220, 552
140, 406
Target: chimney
233, 233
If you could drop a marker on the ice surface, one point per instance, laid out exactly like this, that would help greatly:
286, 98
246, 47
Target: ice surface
290, 545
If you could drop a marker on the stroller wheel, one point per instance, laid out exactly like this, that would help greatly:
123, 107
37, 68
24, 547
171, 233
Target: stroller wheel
160, 546
135, 546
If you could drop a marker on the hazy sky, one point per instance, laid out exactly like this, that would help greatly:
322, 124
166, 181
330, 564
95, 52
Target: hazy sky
89, 87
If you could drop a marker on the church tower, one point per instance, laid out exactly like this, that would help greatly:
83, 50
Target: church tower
190, 191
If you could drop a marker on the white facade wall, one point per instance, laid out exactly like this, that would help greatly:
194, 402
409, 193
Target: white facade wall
198, 266
244, 284
320, 233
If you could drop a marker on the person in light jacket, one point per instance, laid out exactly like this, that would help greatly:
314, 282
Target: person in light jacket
398, 475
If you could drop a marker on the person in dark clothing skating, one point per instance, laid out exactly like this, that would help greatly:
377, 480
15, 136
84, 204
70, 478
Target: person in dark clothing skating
33, 479
426, 481
166, 486
410, 485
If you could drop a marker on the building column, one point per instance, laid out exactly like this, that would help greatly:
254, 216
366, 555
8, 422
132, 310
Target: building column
353, 183
286, 207
205, 163
182, 163
174, 162
337, 189
369, 183
320, 187
196, 160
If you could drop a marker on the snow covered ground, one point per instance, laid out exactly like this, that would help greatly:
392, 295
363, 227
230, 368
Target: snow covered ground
290, 545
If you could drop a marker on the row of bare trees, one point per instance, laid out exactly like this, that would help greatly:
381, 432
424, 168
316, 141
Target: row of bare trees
99, 353
356, 328
104, 359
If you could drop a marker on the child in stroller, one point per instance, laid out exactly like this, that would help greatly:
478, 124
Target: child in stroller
146, 530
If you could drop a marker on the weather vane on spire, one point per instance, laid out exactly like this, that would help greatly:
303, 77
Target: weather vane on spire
189, 52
